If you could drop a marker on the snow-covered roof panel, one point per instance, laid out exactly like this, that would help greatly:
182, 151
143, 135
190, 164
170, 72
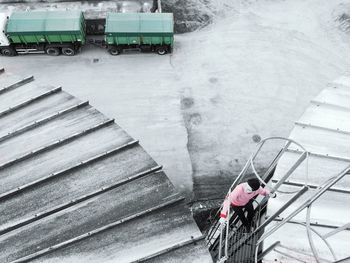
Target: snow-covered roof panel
342, 81
25, 116
324, 131
322, 173
333, 97
322, 141
125, 241
76, 187
325, 116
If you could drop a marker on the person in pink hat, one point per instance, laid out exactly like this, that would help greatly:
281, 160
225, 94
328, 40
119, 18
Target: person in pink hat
242, 198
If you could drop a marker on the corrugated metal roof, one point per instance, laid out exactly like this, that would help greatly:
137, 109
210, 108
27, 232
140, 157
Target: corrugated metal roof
324, 131
44, 21
75, 187
140, 23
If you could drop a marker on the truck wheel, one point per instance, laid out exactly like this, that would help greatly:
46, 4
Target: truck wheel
53, 51
114, 51
161, 50
9, 52
68, 51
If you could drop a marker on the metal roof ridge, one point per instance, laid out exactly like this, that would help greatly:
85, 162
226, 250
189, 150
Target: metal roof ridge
43, 121
318, 103
319, 127
30, 101
340, 158
187, 242
64, 171
78, 200
313, 186
56, 143
17, 84
176, 199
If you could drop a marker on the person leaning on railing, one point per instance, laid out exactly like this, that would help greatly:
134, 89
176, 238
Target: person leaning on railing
242, 198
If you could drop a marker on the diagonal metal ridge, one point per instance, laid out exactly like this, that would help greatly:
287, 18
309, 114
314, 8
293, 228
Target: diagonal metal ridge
43, 120
308, 202
16, 84
30, 101
344, 260
176, 199
64, 171
313, 186
73, 202
333, 157
315, 223
318, 103
309, 125
56, 143
190, 241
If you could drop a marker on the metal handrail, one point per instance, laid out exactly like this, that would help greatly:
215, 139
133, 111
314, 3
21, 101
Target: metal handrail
250, 163
283, 208
270, 168
238, 248
308, 204
337, 230
311, 242
309, 201
304, 155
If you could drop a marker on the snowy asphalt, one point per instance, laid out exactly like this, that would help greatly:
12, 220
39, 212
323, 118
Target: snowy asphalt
251, 72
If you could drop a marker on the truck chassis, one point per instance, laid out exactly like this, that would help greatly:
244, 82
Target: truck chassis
53, 49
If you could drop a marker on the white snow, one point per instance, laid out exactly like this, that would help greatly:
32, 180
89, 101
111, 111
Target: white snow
3, 39
327, 137
253, 71
91, 9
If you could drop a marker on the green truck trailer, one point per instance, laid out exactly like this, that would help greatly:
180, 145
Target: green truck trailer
51, 32
56, 32
145, 31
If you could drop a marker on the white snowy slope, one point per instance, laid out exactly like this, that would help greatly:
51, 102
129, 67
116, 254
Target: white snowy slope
252, 71
324, 131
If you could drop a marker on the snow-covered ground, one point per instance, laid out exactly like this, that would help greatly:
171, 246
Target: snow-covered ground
86, 6
251, 72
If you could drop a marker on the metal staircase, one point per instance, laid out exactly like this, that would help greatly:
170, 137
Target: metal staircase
232, 243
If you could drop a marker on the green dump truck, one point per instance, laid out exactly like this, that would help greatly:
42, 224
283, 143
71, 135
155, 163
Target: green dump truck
144, 31
51, 32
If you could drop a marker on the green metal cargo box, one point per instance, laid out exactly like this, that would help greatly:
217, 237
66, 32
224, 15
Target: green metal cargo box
46, 27
140, 28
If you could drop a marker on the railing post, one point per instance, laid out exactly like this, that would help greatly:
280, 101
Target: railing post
344, 260
275, 161
220, 243
337, 230
289, 172
283, 208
